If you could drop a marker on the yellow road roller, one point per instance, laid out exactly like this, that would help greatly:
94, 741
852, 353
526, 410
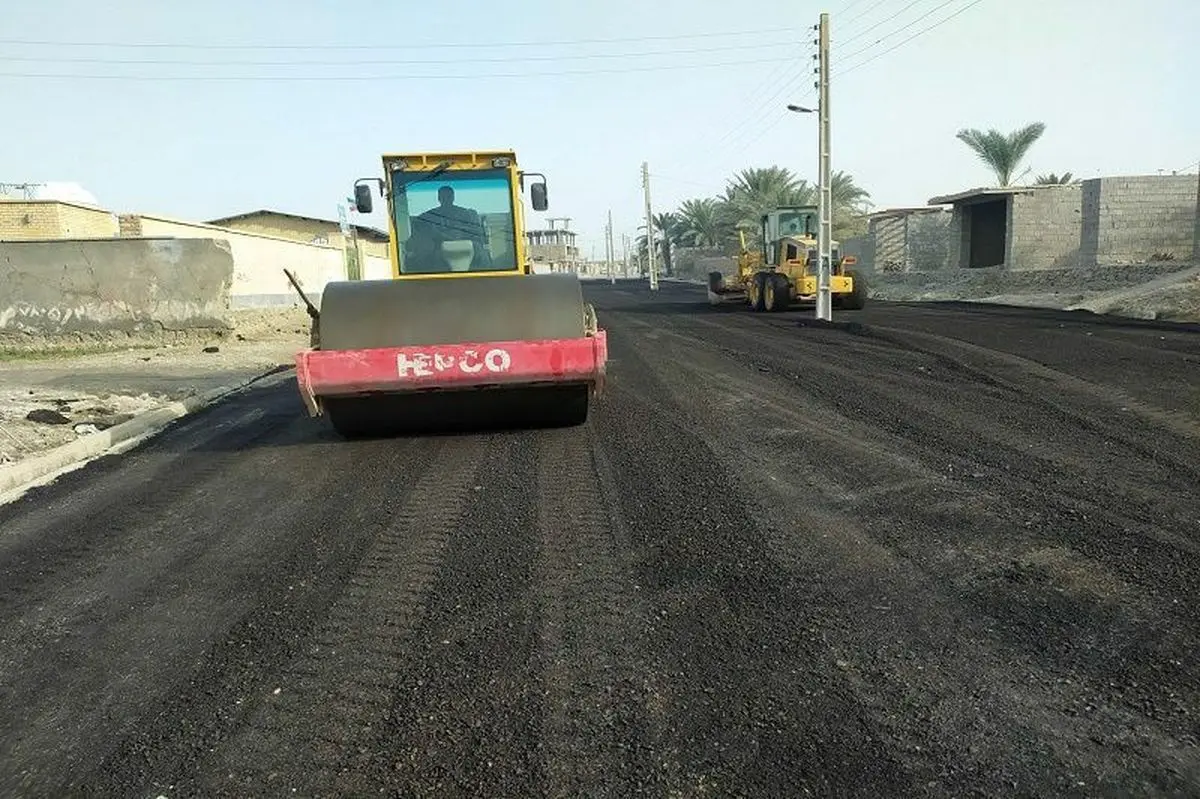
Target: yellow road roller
463, 336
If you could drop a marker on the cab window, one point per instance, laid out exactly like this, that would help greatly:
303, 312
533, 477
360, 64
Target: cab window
454, 222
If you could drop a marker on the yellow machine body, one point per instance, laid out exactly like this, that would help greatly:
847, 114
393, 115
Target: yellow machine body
784, 272
497, 180
404, 353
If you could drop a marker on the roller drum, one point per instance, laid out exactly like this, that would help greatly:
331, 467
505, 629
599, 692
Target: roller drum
364, 314
367, 314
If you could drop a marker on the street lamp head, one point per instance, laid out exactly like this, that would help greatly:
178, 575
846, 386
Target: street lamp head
799, 109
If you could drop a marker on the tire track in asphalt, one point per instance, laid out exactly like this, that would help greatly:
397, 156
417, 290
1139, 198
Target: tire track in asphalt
314, 733
1029, 440
981, 675
168, 672
112, 491
755, 702
597, 732
466, 703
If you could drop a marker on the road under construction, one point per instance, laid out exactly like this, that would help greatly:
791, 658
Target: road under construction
922, 550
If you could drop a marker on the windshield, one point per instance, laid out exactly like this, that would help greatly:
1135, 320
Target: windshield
797, 223
454, 222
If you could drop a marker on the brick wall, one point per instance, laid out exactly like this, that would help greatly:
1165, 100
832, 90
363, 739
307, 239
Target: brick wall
129, 226
1046, 224
1131, 219
25, 220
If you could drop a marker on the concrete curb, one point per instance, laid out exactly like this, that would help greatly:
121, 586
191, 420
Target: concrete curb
22, 475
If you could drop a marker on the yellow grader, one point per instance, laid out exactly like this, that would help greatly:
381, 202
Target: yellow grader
784, 272
463, 335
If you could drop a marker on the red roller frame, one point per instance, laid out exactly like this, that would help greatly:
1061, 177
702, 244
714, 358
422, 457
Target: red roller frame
339, 373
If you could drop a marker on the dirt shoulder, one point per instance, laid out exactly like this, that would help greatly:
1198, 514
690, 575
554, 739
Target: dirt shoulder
1163, 291
57, 395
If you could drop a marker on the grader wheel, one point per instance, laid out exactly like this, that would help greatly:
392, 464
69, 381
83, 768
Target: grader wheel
757, 290
776, 293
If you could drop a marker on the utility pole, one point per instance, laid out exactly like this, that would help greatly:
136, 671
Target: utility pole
649, 228
625, 254
608, 249
825, 226
1196, 226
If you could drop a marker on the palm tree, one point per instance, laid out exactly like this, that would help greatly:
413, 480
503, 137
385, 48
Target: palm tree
702, 223
670, 231
753, 192
845, 194
851, 203
1002, 152
1054, 180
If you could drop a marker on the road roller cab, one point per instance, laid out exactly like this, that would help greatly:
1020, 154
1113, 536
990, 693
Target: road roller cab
463, 335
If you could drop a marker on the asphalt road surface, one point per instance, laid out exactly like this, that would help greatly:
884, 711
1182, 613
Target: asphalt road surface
924, 551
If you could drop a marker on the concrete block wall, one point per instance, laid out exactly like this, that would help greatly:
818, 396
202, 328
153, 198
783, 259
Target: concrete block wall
376, 268
912, 241
928, 239
862, 248
29, 220
1046, 223
1131, 219
695, 262
125, 286
890, 243
259, 261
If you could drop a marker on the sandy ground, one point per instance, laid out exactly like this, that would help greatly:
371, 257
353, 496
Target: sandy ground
51, 400
1173, 296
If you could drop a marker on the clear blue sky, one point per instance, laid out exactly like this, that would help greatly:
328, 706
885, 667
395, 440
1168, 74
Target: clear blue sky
1115, 83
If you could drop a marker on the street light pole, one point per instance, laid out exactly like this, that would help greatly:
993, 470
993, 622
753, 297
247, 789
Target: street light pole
825, 229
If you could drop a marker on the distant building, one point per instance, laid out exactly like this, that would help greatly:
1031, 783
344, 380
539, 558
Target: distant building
553, 249
1098, 221
913, 239
27, 220
306, 229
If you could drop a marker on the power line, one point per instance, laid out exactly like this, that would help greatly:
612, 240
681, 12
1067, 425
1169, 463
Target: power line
425, 46
849, 6
381, 78
754, 116
757, 119
865, 12
865, 31
766, 128
673, 179
377, 62
763, 86
914, 36
761, 124
887, 36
